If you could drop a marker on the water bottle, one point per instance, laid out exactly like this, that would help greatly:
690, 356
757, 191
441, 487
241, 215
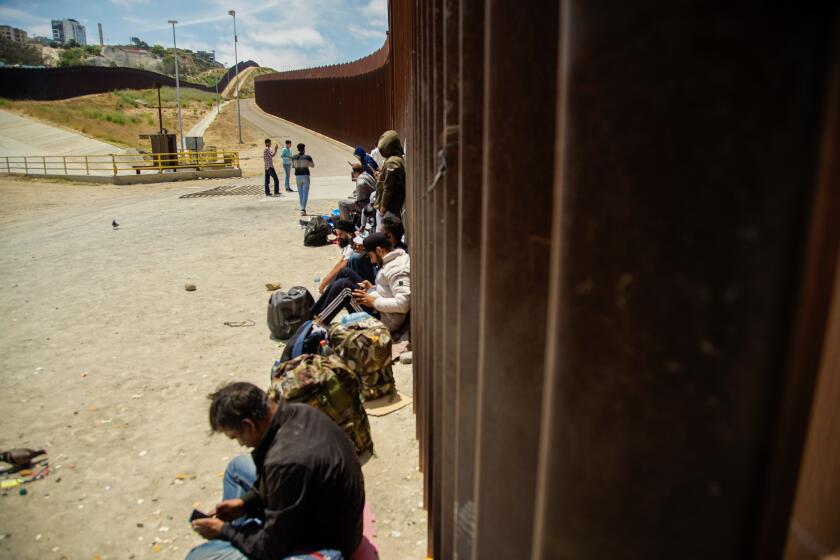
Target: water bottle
326, 350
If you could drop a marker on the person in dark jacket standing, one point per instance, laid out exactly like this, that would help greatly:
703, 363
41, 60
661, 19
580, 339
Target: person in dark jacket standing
309, 492
390, 188
302, 162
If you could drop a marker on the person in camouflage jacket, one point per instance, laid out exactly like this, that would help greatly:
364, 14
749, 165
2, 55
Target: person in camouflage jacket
390, 188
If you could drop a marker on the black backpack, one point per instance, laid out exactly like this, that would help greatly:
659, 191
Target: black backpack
287, 311
316, 232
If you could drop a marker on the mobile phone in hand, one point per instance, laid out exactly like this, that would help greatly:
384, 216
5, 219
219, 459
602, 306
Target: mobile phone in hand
197, 515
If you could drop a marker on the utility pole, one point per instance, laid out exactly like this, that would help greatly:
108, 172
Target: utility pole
236, 62
177, 84
218, 101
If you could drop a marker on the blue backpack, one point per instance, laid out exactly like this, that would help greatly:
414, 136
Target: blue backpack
306, 340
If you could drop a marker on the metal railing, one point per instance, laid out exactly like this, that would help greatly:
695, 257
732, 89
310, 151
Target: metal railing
116, 164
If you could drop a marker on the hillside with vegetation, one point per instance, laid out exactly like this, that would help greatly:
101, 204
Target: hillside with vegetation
246, 89
138, 54
119, 117
12, 53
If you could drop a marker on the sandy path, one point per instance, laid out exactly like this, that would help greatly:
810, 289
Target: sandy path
201, 126
20, 136
106, 360
230, 89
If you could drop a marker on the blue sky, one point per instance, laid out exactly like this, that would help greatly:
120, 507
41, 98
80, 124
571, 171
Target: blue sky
282, 34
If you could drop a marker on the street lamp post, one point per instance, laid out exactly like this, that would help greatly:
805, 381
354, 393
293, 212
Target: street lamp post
218, 102
236, 63
177, 84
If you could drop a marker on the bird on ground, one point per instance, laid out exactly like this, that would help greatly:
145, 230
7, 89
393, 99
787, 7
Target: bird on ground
114, 224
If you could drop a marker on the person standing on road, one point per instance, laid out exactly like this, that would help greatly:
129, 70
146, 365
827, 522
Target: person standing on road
286, 154
268, 159
302, 162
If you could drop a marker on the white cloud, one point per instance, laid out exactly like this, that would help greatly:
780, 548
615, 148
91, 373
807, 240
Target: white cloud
128, 3
34, 25
366, 32
278, 58
377, 11
301, 37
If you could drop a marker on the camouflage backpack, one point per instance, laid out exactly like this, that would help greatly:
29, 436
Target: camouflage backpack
365, 346
326, 383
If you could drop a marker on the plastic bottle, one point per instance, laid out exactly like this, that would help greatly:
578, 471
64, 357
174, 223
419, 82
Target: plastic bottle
326, 350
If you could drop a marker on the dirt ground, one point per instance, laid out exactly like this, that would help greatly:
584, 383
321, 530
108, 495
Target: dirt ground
107, 361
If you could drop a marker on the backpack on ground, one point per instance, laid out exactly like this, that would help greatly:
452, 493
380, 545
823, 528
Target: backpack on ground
326, 383
316, 232
365, 346
287, 311
306, 340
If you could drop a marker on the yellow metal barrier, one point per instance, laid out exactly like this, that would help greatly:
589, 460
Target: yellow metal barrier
118, 163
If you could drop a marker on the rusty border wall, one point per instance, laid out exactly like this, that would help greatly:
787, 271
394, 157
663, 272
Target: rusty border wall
624, 241
349, 102
50, 84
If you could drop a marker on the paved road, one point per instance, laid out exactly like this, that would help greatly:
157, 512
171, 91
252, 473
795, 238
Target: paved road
20, 136
330, 156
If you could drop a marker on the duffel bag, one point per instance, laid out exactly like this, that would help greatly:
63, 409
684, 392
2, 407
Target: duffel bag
326, 383
365, 346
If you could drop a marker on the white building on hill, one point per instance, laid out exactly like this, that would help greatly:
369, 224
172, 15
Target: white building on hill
66, 30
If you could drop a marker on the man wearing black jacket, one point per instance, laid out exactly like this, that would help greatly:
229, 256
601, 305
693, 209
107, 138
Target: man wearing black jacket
309, 490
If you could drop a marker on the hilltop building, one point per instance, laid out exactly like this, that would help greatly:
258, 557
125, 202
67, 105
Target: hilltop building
66, 30
12, 34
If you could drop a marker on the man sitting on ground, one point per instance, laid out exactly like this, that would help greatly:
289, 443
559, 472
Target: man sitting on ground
365, 185
368, 164
393, 229
389, 299
306, 486
345, 233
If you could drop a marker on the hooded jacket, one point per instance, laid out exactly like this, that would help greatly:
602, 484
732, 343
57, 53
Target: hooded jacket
393, 289
390, 189
368, 163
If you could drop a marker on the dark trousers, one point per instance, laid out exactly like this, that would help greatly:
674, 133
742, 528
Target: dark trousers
271, 173
361, 265
338, 296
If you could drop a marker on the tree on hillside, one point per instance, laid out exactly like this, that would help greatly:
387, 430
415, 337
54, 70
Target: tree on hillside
139, 44
71, 57
12, 52
159, 51
169, 64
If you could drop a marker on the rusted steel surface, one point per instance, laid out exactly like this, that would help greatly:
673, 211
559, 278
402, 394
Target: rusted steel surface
355, 110
620, 277
48, 84
679, 255
357, 67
